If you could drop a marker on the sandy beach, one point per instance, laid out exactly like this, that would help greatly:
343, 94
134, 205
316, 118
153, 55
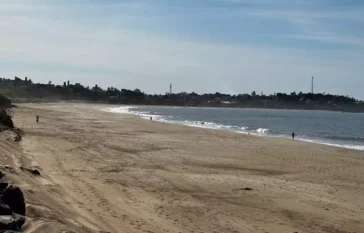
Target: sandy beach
106, 172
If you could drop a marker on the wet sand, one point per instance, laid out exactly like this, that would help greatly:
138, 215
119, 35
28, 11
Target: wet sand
117, 173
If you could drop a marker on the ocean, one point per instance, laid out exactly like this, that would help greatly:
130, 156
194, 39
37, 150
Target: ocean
330, 128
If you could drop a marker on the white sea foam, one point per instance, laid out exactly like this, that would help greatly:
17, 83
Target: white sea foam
124, 110
213, 125
210, 125
130, 110
262, 131
347, 146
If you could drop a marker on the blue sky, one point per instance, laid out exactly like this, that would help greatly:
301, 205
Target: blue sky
230, 46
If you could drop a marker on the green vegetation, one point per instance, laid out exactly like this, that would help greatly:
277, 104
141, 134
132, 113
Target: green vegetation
21, 89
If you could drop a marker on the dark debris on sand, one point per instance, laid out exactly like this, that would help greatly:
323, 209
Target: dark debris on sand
243, 189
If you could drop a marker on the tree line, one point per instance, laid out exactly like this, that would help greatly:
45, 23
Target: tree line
19, 88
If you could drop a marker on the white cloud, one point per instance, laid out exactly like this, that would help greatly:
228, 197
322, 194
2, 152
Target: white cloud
122, 57
320, 25
313, 14
331, 39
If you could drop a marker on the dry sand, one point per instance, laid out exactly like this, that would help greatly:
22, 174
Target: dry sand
105, 172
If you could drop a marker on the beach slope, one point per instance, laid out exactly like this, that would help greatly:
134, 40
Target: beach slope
105, 172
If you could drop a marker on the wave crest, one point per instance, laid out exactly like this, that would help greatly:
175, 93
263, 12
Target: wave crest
262, 131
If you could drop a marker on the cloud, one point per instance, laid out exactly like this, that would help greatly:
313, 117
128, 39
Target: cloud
52, 45
312, 14
322, 26
330, 38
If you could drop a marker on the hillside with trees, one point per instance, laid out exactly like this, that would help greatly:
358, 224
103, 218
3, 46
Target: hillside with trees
20, 90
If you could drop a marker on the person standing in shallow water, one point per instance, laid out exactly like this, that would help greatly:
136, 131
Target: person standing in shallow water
293, 135
37, 119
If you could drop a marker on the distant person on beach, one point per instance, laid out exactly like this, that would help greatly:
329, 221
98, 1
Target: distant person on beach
293, 135
37, 119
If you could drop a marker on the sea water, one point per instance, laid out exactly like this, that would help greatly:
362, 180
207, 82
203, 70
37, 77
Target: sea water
331, 128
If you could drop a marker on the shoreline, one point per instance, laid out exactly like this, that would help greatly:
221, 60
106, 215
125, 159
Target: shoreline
143, 116
45, 101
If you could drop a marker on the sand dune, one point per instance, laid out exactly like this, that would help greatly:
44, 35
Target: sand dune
104, 172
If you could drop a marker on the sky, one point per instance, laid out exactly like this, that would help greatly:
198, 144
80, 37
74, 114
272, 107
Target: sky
205, 46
